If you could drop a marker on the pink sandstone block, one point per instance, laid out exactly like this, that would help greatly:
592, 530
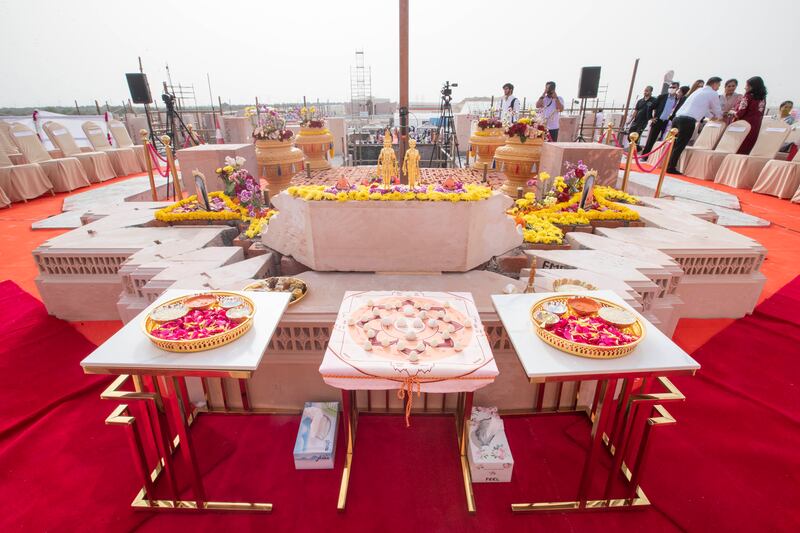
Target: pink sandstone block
392, 236
208, 157
603, 158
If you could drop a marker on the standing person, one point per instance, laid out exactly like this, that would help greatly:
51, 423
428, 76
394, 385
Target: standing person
642, 112
697, 106
509, 104
665, 104
696, 86
751, 109
730, 100
551, 105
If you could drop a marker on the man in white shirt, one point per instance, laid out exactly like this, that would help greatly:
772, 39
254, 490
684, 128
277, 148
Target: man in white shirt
509, 104
551, 105
700, 104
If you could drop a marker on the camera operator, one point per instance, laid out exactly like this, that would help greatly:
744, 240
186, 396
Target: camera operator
508, 109
551, 105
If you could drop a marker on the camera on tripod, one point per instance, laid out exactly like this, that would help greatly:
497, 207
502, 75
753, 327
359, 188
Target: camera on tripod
169, 100
447, 91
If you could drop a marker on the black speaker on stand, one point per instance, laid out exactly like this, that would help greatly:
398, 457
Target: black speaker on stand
587, 88
140, 94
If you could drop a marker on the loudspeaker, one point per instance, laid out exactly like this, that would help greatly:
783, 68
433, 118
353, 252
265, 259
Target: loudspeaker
140, 90
589, 82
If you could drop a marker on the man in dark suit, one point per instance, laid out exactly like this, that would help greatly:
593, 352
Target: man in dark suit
665, 105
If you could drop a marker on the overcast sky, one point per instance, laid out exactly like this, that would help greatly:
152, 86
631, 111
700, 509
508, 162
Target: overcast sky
54, 52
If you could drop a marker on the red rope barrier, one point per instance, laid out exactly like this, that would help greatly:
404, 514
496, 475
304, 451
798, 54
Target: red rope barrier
155, 153
152, 151
656, 165
654, 150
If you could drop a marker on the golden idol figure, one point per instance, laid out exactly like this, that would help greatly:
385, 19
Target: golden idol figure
411, 163
387, 161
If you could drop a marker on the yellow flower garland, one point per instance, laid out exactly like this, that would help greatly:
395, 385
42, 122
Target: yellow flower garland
362, 193
539, 224
234, 212
257, 224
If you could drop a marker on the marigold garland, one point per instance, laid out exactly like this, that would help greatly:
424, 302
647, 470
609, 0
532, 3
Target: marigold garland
539, 223
232, 211
362, 193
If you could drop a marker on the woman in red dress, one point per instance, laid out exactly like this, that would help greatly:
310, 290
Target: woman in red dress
751, 109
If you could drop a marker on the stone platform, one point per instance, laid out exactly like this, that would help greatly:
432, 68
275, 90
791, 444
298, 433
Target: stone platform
377, 236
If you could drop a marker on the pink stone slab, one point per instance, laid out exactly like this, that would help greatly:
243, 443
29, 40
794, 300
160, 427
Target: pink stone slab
414, 236
208, 157
603, 158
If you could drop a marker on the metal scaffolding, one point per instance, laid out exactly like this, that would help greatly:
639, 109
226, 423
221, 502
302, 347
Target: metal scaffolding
360, 88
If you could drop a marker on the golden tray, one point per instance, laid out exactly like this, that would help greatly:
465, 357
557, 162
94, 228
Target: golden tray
255, 286
586, 350
207, 343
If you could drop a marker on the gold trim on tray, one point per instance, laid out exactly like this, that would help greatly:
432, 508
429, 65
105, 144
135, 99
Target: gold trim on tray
587, 350
206, 343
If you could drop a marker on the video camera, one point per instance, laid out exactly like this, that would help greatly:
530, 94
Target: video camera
447, 90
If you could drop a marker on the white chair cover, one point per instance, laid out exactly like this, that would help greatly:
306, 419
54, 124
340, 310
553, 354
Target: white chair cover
96, 164
707, 140
123, 140
6, 144
742, 171
123, 159
4, 201
778, 178
20, 183
65, 174
703, 164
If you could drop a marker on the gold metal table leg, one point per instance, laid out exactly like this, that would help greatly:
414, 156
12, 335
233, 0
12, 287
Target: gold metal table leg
612, 425
348, 408
466, 414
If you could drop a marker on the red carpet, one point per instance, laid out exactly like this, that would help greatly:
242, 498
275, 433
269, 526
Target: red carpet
730, 464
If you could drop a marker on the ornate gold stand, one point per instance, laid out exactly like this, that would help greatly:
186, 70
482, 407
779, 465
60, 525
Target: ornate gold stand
163, 405
615, 420
278, 162
485, 143
519, 162
315, 144
350, 412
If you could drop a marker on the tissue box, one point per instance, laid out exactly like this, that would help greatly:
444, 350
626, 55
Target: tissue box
315, 446
489, 462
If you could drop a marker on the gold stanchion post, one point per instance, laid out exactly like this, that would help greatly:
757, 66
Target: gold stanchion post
665, 162
149, 163
171, 163
609, 132
633, 137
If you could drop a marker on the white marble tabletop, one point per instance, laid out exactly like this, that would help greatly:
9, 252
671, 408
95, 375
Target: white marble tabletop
130, 351
656, 355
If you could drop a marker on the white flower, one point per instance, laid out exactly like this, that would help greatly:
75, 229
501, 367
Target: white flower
240, 161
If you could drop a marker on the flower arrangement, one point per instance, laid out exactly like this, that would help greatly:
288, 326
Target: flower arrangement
258, 224
271, 126
222, 208
559, 207
489, 122
532, 125
309, 118
341, 192
242, 186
